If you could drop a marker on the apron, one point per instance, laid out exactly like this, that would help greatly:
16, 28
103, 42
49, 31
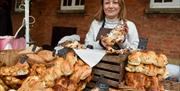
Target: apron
104, 31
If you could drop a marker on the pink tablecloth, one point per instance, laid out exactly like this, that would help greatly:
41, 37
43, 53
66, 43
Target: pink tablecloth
8, 42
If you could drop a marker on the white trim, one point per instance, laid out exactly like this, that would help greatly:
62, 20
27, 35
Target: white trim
173, 4
72, 7
19, 6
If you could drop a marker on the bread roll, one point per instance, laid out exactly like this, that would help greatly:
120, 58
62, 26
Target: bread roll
134, 58
135, 80
143, 82
46, 55
32, 83
161, 60
149, 70
149, 57
71, 57
86, 72
66, 68
34, 58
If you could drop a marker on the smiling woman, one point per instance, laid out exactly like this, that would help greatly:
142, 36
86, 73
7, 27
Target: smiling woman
110, 15
111, 8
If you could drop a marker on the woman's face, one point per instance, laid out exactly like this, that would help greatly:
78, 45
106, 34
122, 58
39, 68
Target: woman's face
111, 8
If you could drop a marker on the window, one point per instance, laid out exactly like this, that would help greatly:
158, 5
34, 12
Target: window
72, 5
19, 6
164, 3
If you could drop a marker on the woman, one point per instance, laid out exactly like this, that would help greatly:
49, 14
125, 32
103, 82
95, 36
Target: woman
111, 14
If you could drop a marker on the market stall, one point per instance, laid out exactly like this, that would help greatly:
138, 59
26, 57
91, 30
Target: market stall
74, 67
42, 70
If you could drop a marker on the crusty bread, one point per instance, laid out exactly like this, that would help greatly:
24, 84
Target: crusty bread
66, 68
32, 83
46, 55
34, 58
161, 60
149, 57
149, 70
86, 72
143, 82
134, 58
71, 57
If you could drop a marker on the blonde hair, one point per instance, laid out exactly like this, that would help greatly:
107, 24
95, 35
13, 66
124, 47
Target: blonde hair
100, 15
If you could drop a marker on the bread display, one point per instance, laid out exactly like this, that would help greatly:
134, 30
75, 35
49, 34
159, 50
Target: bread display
145, 70
43, 71
143, 82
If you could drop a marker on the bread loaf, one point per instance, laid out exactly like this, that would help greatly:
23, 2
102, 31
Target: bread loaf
143, 82
149, 57
149, 70
46, 55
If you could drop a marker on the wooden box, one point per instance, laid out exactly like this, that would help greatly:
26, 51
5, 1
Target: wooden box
112, 67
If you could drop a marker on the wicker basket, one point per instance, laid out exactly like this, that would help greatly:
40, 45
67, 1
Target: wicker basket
8, 57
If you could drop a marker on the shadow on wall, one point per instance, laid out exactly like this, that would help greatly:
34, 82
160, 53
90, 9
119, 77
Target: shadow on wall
58, 33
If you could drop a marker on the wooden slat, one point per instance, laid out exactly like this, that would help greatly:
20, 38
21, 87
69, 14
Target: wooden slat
110, 82
106, 73
121, 71
108, 66
115, 58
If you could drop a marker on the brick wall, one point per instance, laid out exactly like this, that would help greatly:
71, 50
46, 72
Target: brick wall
162, 30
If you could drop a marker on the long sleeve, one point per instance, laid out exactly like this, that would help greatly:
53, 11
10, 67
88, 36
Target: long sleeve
92, 34
132, 39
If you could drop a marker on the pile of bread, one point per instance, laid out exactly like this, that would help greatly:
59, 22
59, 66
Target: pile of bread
145, 70
43, 71
72, 44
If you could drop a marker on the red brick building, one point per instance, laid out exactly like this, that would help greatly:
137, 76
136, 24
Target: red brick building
162, 30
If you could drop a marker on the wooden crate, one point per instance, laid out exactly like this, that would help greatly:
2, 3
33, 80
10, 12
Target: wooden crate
112, 67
